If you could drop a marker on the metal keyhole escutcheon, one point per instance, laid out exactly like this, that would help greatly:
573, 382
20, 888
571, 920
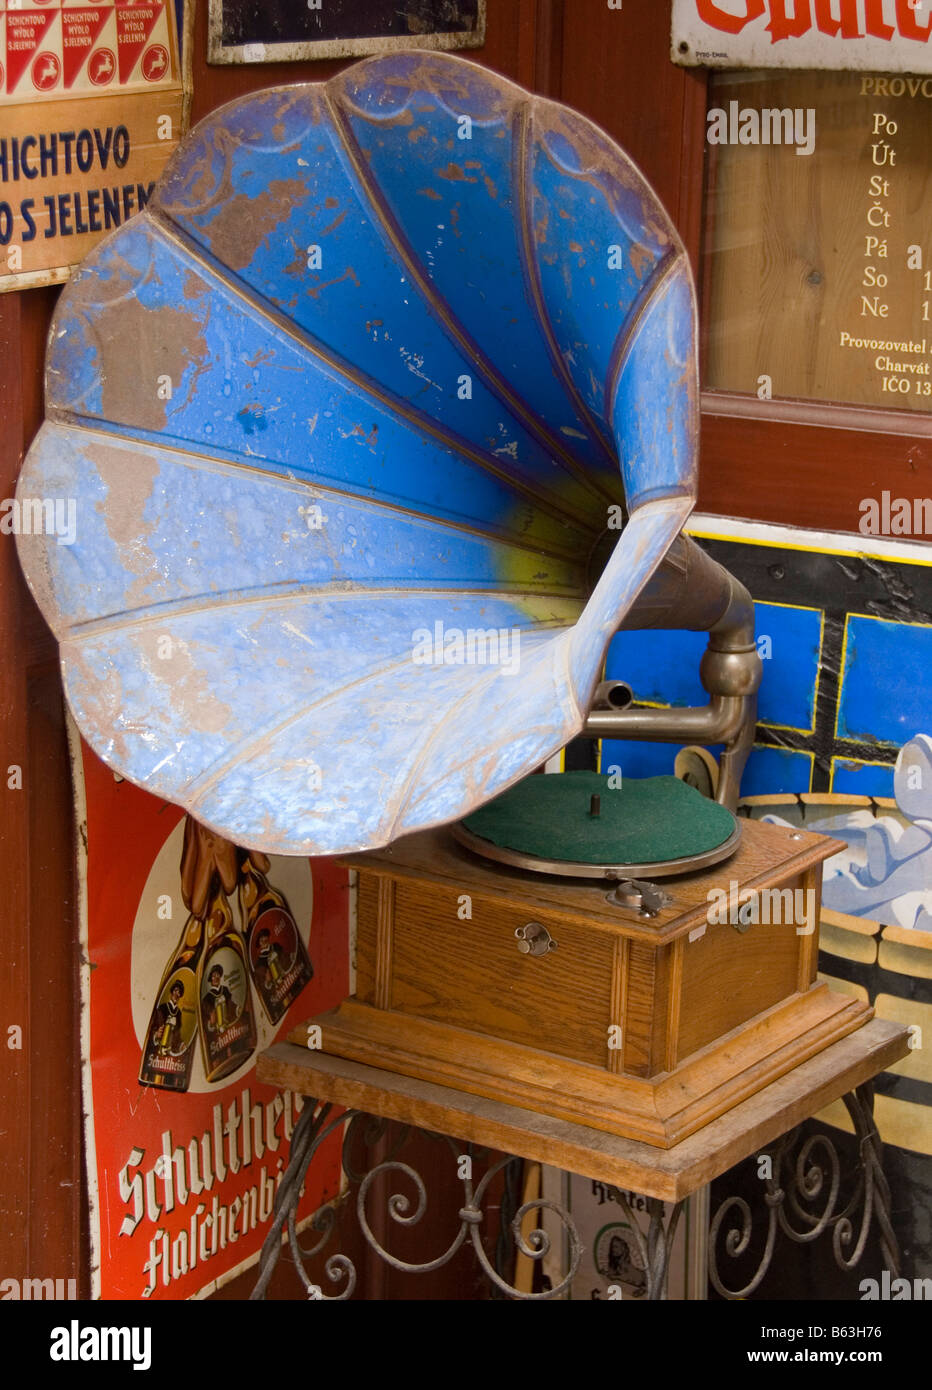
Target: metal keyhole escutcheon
534, 939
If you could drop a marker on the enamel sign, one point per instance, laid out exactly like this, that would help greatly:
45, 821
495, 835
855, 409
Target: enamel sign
870, 35
198, 955
90, 110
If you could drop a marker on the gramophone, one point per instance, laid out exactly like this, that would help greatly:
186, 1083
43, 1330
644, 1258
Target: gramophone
382, 420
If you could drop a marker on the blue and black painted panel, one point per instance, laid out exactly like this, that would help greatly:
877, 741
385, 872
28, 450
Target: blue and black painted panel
873, 646
843, 689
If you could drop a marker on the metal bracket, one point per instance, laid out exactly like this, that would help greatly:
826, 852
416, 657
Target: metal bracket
642, 897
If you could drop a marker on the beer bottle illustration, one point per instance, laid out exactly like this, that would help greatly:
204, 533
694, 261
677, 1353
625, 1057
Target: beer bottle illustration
228, 1029
278, 961
168, 1049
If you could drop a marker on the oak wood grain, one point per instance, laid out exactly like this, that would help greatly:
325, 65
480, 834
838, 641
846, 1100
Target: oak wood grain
809, 945
729, 976
645, 1021
367, 916
471, 973
385, 943
670, 1174
658, 1110
618, 1005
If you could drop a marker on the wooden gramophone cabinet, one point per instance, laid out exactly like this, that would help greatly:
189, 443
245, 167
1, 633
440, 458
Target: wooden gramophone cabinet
644, 1027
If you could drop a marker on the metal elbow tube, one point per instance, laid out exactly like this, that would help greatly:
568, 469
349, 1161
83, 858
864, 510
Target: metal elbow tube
692, 591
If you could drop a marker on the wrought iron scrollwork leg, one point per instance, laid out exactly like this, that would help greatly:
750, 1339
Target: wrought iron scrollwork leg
312, 1129
814, 1176
309, 1133
471, 1215
860, 1106
654, 1251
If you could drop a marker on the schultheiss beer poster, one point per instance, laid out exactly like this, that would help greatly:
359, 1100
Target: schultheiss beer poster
196, 955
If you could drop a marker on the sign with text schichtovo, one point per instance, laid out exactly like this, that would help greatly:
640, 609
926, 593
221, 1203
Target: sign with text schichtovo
90, 109
874, 35
197, 955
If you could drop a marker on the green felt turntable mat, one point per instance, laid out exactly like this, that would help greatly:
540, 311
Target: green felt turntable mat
647, 820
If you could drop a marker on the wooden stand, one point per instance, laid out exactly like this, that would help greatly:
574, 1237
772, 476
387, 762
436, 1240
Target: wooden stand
844, 1069
576, 1148
647, 1028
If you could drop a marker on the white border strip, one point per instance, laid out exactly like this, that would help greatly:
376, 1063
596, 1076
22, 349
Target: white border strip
79, 798
796, 538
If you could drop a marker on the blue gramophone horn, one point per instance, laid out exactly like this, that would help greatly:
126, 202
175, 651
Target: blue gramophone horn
351, 414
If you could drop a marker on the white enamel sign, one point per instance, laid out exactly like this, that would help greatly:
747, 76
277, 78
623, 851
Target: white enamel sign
870, 35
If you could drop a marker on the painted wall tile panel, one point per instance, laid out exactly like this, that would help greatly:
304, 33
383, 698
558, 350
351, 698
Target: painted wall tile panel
662, 667
879, 651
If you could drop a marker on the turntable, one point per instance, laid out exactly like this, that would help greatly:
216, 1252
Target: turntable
382, 420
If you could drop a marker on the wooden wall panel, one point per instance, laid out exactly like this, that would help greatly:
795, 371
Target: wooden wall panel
616, 69
42, 1231
799, 474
